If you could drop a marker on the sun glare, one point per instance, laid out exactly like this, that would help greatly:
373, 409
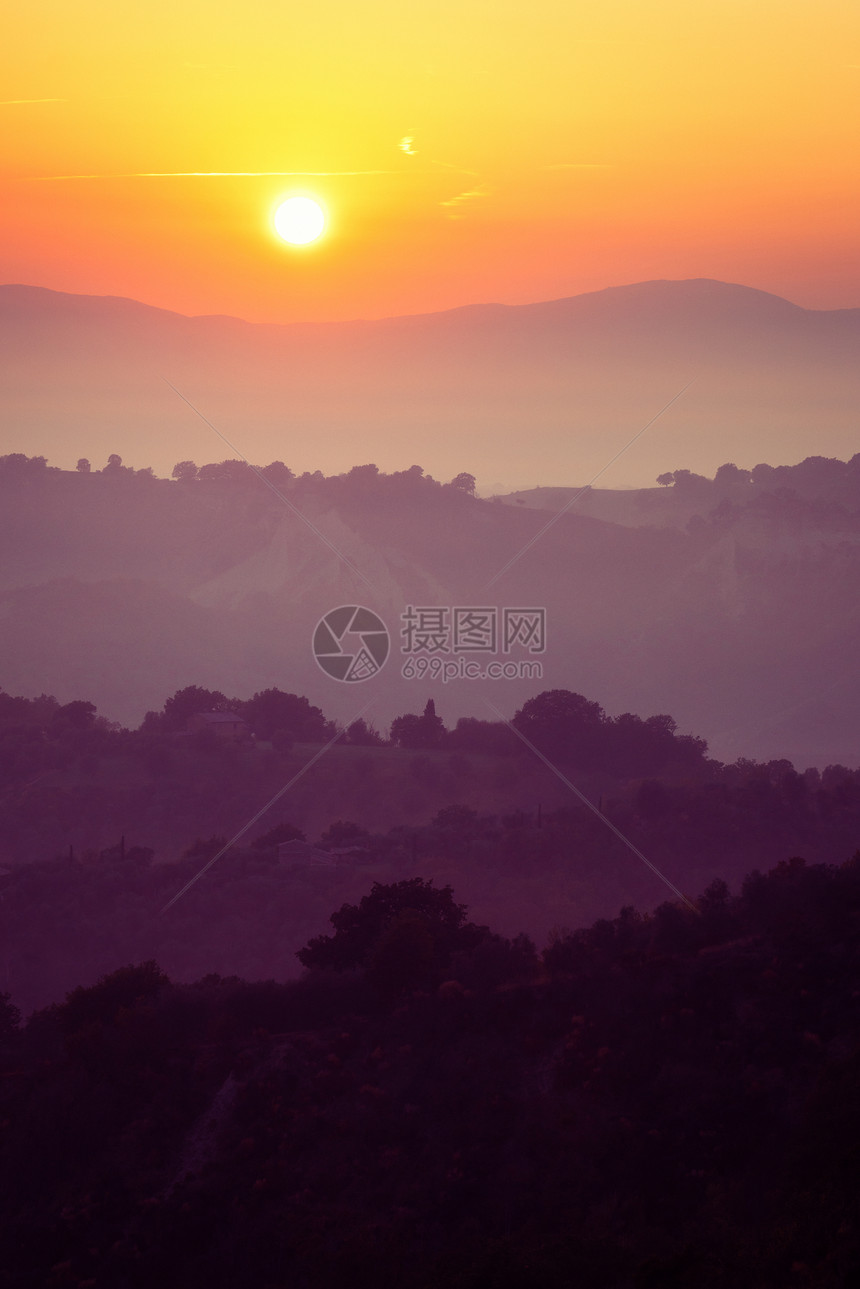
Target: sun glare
299, 220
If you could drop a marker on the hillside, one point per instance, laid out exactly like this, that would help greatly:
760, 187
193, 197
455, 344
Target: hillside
663, 1102
740, 621
103, 828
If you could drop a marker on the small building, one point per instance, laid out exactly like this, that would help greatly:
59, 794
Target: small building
301, 854
226, 725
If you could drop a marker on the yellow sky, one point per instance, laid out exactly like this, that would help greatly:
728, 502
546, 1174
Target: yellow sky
556, 147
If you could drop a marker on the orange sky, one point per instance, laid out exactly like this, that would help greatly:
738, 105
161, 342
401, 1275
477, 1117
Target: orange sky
557, 147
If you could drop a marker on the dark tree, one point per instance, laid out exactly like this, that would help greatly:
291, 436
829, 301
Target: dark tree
362, 479
277, 474
185, 471
687, 479
229, 472
77, 715
343, 834
565, 725
425, 731
406, 731
272, 711
360, 928
83, 466
464, 482
473, 735
121, 990
405, 954
434, 728
17, 464
409, 482
731, 474
189, 702
361, 734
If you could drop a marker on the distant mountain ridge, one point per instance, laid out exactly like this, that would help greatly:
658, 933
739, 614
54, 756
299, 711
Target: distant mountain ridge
671, 293
533, 393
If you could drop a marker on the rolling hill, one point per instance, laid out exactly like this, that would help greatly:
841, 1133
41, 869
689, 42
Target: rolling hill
121, 588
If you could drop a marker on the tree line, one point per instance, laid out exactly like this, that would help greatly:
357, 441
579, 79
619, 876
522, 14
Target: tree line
235, 473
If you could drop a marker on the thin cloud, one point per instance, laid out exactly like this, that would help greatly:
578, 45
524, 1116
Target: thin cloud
454, 202
458, 170
223, 174
12, 102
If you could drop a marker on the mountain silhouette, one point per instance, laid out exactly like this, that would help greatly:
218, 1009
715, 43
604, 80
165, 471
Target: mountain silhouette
525, 394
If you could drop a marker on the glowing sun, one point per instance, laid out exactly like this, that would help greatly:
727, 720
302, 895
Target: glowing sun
299, 220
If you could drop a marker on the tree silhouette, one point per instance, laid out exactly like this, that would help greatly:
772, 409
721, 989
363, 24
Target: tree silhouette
229, 472
77, 715
185, 471
563, 724
102, 1002
404, 956
474, 735
425, 731
361, 734
363, 931
342, 834
189, 702
731, 474
272, 711
279, 475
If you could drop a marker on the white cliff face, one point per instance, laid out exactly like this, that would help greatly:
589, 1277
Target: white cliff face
299, 565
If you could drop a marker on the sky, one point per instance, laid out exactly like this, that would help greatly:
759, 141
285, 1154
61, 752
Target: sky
464, 152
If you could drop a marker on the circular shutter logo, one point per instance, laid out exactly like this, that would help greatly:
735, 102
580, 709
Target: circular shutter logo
351, 643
